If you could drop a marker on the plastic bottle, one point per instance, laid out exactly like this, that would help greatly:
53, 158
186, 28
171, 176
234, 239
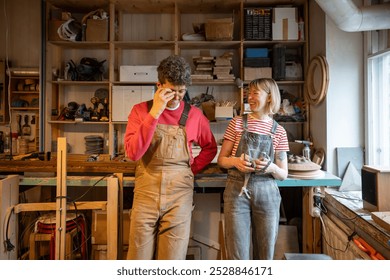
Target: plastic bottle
301, 29
306, 151
26, 128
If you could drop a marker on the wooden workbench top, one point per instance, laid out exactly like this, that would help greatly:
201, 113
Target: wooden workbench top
80, 166
211, 176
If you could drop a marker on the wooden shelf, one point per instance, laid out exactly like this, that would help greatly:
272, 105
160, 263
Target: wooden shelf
81, 83
76, 122
81, 45
25, 108
145, 45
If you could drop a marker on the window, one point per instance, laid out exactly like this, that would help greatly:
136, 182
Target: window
378, 109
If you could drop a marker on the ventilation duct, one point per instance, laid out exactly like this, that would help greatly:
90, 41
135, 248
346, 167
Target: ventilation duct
350, 18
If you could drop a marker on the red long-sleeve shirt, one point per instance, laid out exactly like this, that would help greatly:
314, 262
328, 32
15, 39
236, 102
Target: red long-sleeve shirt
141, 126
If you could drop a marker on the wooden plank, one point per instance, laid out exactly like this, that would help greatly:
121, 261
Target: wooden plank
112, 217
61, 200
51, 206
10, 167
382, 219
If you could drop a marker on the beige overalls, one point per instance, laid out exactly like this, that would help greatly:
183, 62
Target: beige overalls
163, 197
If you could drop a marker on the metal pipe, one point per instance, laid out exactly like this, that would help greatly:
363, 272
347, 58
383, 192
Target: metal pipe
350, 18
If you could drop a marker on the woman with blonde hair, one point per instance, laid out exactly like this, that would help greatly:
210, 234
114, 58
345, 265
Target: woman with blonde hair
254, 151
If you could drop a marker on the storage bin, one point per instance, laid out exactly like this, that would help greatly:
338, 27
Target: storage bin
257, 62
138, 73
256, 52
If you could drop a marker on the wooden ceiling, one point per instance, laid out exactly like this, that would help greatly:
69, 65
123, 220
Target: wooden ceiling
167, 6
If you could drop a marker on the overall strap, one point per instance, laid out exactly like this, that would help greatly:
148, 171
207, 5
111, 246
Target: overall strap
184, 115
245, 121
274, 126
150, 104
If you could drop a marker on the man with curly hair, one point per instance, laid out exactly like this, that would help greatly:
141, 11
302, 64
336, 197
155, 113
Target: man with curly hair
159, 136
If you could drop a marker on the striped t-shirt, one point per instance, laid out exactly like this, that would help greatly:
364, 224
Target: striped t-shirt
235, 128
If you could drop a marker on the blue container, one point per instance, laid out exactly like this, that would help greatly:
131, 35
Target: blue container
256, 52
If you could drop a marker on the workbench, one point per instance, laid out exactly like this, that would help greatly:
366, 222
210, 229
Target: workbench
346, 219
82, 173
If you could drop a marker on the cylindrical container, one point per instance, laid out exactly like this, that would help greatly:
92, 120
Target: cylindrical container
23, 146
7, 144
306, 152
301, 30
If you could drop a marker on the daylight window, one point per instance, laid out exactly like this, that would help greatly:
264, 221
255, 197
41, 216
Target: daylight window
378, 109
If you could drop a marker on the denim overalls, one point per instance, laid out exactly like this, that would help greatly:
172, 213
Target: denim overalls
255, 213
163, 196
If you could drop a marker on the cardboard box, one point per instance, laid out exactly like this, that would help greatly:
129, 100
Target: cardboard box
223, 113
285, 24
219, 29
125, 97
139, 73
97, 30
52, 29
99, 227
251, 73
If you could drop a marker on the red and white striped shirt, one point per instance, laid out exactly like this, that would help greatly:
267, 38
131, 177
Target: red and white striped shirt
235, 128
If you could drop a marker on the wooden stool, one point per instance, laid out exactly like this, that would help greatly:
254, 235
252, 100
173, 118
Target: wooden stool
36, 240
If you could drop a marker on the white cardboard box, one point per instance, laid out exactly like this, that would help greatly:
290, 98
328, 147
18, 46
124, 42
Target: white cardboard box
139, 73
285, 24
125, 97
223, 113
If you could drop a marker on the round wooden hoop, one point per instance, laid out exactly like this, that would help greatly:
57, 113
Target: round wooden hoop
319, 156
316, 96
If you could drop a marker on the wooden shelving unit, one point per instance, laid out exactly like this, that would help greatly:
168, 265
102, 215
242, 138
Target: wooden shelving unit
143, 33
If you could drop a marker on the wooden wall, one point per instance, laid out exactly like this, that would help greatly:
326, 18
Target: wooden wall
20, 32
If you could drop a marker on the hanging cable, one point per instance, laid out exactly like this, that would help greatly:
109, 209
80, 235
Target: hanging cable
7, 241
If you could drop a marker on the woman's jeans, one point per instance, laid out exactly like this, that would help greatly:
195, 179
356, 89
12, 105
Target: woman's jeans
256, 214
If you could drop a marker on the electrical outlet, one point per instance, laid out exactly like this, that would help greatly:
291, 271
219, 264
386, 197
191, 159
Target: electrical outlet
314, 194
